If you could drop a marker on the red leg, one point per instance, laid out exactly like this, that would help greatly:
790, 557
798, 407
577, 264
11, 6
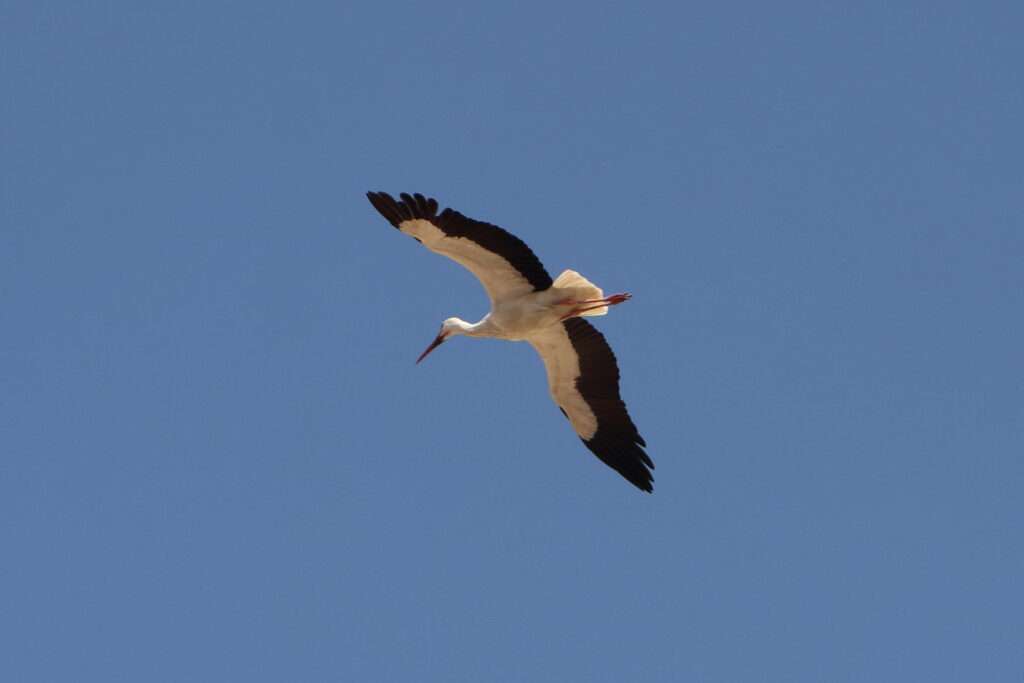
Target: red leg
608, 300
601, 303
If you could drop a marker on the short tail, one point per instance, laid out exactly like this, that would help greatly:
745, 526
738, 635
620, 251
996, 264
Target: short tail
579, 288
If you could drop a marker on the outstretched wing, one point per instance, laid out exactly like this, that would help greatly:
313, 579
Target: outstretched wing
584, 381
501, 261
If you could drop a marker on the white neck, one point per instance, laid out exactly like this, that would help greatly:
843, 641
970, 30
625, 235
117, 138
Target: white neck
477, 329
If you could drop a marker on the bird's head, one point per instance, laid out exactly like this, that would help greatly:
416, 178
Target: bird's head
449, 328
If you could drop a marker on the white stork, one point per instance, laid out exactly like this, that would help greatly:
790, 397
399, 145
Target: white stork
526, 305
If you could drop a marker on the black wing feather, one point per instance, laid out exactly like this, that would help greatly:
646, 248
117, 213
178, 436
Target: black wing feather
454, 224
617, 442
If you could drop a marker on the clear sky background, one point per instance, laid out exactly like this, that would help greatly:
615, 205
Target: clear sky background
219, 462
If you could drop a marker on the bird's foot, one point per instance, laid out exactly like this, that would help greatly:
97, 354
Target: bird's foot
599, 303
607, 301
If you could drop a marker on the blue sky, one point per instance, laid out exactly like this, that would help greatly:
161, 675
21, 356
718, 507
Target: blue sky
220, 463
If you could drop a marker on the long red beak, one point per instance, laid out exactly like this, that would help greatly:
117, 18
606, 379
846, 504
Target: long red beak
433, 345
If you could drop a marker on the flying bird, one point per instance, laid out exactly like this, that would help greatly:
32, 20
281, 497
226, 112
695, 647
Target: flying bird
526, 305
